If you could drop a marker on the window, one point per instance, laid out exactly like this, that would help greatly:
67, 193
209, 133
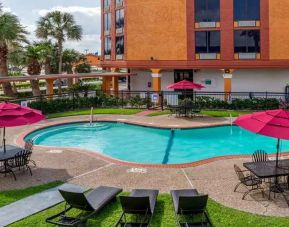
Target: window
247, 41
107, 22
208, 42
207, 10
107, 46
119, 45
119, 3
106, 4
119, 19
246, 10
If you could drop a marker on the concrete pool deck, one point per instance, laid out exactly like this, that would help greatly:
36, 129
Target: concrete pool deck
216, 178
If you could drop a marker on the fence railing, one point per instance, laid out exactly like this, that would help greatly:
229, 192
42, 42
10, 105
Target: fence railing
149, 99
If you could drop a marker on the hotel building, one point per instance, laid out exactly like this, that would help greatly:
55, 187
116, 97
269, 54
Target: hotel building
227, 45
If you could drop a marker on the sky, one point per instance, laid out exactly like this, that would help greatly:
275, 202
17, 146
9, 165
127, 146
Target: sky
86, 14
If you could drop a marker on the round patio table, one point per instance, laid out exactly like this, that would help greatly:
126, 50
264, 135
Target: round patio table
11, 151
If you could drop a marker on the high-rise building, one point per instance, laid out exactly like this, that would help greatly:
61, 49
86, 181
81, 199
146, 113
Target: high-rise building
227, 45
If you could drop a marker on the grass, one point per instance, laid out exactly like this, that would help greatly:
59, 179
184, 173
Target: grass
95, 111
164, 216
224, 113
210, 113
7, 197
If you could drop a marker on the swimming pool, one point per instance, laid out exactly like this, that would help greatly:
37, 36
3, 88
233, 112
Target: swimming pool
147, 145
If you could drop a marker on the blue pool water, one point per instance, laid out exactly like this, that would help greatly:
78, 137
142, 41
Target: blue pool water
155, 146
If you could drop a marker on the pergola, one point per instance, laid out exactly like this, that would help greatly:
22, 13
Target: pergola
110, 79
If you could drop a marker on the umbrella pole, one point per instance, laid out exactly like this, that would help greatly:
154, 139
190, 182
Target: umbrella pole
278, 151
4, 140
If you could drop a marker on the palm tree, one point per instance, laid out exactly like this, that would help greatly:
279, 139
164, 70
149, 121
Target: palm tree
12, 33
70, 58
35, 55
60, 26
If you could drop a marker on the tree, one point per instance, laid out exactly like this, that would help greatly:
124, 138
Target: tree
61, 27
35, 55
83, 68
16, 61
12, 34
70, 58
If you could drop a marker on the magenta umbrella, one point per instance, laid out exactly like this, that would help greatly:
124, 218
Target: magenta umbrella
185, 85
272, 123
12, 115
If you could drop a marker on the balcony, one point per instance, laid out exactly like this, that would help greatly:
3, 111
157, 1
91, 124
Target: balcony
107, 57
119, 57
119, 4
107, 32
119, 30
247, 56
248, 23
207, 25
208, 56
106, 9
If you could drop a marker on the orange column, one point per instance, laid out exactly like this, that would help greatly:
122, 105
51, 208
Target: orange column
157, 80
115, 81
227, 83
106, 84
49, 87
115, 85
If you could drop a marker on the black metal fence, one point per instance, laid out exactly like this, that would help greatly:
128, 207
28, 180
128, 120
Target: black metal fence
149, 99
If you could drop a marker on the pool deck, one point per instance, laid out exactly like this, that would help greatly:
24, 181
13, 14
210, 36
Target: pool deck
217, 177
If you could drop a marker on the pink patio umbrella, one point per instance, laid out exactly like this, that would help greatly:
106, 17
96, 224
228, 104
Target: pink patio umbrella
186, 85
272, 123
12, 115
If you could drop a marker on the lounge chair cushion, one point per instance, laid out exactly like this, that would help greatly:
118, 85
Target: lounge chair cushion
152, 194
92, 201
100, 196
176, 194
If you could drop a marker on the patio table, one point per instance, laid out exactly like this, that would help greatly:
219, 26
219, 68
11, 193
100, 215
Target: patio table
11, 151
269, 169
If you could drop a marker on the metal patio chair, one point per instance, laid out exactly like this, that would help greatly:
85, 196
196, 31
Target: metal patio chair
250, 182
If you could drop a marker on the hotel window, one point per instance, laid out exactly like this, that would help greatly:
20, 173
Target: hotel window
107, 23
119, 47
208, 44
107, 47
106, 4
118, 3
247, 44
119, 20
246, 10
207, 10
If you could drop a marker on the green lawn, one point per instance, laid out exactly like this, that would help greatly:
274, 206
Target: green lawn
210, 113
164, 216
95, 111
224, 113
7, 197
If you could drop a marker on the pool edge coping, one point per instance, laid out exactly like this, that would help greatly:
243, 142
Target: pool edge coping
20, 141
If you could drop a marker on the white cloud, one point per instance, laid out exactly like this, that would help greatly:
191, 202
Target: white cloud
90, 42
89, 11
7, 9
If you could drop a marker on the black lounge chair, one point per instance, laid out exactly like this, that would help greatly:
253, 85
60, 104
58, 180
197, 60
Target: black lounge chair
250, 182
91, 202
260, 156
189, 204
141, 205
